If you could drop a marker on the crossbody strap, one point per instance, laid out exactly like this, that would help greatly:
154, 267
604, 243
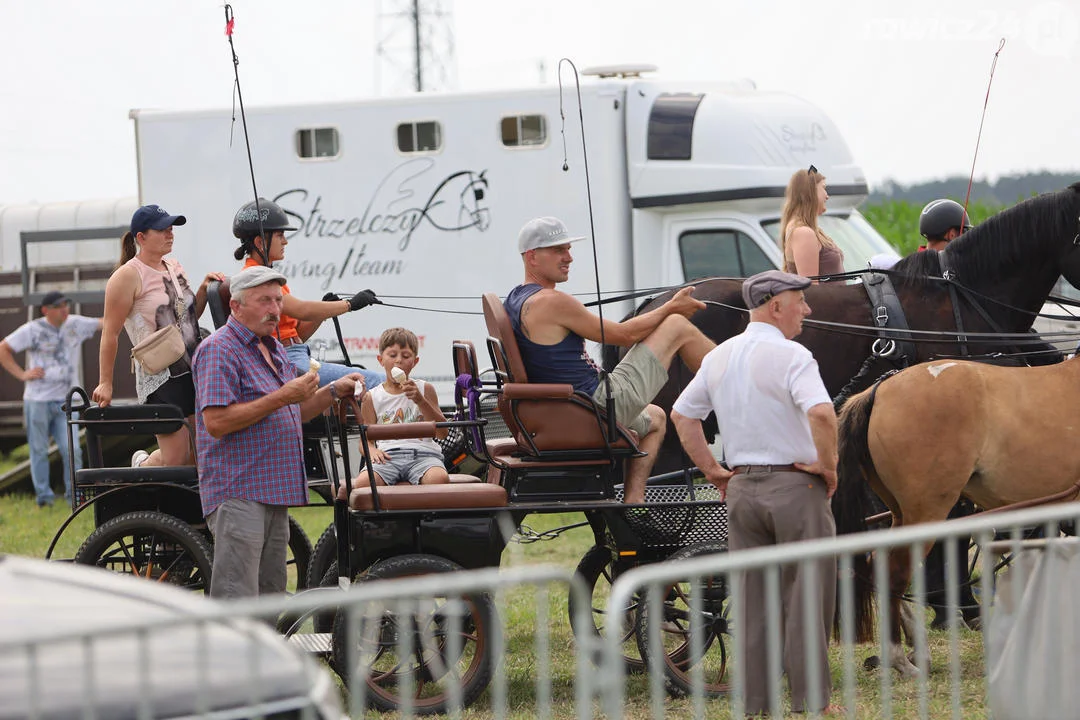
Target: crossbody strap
180, 308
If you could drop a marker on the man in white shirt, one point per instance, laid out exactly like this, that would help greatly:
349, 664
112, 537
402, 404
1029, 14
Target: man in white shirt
778, 429
52, 360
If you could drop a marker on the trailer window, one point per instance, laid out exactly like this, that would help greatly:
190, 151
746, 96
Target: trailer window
522, 130
419, 137
671, 126
317, 142
720, 253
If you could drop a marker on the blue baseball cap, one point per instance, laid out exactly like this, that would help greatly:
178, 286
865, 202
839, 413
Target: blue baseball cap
153, 217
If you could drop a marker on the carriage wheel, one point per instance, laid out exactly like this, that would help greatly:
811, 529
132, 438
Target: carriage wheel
323, 573
596, 569
297, 562
151, 545
450, 640
299, 557
322, 556
677, 622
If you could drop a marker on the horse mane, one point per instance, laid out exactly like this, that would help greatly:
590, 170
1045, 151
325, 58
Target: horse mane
993, 249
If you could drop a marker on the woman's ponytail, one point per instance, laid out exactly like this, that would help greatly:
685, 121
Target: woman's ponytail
127, 248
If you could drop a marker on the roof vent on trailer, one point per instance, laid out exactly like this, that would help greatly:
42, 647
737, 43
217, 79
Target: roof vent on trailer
628, 70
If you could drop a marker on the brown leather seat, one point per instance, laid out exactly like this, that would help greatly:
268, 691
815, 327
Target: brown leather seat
545, 418
430, 497
463, 491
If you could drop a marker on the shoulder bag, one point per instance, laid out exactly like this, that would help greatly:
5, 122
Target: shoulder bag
165, 346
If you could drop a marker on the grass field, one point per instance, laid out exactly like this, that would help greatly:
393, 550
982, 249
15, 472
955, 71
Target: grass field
26, 530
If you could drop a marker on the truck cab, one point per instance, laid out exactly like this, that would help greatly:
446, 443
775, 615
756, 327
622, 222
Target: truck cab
708, 166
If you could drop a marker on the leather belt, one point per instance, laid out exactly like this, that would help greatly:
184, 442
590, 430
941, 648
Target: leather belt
292, 340
743, 469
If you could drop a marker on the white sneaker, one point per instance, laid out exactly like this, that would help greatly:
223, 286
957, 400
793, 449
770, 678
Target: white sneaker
139, 457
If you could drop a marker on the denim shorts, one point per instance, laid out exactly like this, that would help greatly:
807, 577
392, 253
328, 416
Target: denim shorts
407, 465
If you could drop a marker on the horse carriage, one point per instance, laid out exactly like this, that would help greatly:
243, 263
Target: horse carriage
564, 454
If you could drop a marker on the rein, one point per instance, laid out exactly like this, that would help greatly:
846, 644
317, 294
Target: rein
927, 336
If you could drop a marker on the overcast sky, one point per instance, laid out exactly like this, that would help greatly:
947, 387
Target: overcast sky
904, 82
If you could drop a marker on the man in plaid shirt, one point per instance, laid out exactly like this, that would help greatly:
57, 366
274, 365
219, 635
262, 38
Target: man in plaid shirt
249, 406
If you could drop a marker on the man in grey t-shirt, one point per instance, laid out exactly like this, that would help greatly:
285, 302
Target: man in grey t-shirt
52, 355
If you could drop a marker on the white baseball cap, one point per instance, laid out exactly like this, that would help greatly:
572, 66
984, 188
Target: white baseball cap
544, 232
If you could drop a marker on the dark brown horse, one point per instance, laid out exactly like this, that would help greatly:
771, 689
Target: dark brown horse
1010, 263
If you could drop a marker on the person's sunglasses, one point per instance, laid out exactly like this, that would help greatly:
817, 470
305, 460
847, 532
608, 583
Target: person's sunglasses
811, 170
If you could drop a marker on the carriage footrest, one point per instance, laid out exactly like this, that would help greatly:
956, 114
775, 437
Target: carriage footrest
314, 643
184, 474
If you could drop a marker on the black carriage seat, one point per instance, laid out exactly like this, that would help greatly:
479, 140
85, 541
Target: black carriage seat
455, 494
549, 422
116, 420
217, 298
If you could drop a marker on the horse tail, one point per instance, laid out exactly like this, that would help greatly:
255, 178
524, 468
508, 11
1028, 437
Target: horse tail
850, 502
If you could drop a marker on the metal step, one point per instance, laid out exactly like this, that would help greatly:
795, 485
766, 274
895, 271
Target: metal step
314, 643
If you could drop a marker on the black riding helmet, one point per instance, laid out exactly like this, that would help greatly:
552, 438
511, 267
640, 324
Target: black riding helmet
246, 225
939, 216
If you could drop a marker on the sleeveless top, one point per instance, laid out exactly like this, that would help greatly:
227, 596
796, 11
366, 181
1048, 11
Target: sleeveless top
287, 325
564, 362
830, 261
390, 409
156, 307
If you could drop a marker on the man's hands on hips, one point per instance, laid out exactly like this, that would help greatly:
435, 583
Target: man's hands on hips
719, 476
828, 475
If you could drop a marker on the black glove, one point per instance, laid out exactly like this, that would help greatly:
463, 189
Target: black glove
362, 299
330, 296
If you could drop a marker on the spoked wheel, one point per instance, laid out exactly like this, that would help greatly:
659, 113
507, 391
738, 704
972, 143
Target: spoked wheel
299, 558
297, 562
150, 545
597, 570
448, 643
322, 556
677, 621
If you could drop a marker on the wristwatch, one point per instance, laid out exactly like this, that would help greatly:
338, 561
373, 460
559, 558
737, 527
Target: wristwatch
333, 392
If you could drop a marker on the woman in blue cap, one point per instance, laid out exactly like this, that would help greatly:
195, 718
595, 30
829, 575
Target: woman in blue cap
146, 293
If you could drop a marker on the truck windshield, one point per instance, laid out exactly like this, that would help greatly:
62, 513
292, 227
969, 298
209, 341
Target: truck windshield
856, 237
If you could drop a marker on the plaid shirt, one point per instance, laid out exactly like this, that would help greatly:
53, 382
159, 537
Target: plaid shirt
265, 461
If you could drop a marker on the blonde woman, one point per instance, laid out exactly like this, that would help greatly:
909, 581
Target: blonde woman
145, 293
808, 251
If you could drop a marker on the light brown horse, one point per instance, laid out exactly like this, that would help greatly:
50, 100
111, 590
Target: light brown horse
942, 429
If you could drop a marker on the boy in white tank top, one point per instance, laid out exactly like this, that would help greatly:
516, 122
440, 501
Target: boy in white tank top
403, 400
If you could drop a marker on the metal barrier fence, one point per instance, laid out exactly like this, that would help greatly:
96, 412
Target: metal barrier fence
149, 655
437, 642
695, 594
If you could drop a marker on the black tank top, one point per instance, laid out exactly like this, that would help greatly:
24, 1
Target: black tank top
564, 362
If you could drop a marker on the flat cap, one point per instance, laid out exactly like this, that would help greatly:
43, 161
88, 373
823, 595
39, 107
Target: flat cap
759, 289
255, 276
